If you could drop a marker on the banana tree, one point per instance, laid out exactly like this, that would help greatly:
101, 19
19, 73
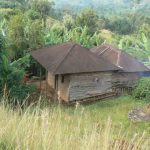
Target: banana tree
144, 44
138, 46
80, 35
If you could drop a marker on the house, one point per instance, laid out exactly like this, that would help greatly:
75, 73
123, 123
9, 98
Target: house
131, 68
75, 72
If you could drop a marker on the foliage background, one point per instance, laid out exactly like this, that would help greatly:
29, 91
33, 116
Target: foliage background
26, 25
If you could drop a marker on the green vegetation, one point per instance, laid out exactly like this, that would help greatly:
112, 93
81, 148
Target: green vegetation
83, 127
11, 78
29, 24
142, 89
117, 110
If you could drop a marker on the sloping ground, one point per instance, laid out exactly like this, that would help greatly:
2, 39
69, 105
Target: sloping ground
118, 110
82, 128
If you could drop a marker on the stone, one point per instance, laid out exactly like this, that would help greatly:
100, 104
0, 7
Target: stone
138, 115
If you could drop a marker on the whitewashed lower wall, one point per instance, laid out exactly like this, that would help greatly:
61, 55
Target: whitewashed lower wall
63, 87
51, 80
86, 85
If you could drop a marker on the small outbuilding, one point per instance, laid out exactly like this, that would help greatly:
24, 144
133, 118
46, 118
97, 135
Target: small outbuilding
131, 68
74, 72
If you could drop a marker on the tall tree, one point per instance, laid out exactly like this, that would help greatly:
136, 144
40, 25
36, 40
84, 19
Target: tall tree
23, 4
16, 37
88, 18
69, 22
35, 34
44, 8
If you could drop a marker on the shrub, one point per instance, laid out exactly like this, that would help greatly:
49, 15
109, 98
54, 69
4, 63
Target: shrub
142, 89
20, 93
11, 79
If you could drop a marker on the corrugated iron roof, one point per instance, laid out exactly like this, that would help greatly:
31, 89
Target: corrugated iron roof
119, 58
71, 58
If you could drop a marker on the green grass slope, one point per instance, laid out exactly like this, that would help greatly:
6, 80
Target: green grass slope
100, 126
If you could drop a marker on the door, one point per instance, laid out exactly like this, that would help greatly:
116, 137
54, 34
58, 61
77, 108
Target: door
56, 82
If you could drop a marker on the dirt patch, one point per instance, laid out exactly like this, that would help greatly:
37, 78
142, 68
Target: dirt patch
43, 88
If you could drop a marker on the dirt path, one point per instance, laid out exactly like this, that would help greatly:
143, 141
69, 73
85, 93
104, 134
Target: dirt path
44, 88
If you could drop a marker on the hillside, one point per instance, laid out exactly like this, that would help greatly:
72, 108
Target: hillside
99, 5
84, 127
47, 60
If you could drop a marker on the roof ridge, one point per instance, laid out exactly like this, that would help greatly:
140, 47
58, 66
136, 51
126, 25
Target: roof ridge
69, 51
115, 48
118, 51
106, 49
118, 59
97, 57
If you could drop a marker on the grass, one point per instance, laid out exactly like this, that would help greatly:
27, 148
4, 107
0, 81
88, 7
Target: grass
117, 110
100, 126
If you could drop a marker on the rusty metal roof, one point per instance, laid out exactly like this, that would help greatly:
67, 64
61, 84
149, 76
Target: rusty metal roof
68, 58
119, 58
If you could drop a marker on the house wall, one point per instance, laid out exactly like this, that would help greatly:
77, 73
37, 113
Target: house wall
87, 85
77, 86
63, 87
81, 85
51, 80
125, 79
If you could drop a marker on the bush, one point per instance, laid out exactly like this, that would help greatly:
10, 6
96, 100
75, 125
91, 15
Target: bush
20, 93
142, 89
11, 79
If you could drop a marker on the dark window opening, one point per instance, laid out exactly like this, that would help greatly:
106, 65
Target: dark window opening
62, 79
56, 82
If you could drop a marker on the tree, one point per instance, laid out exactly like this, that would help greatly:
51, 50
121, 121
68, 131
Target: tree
35, 34
88, 18
22, 4
56, 34
11, 78
137, 45
2, 42
16, 36
44, 8
136, 1
68, 22
7, 3
106, 36
142, 89
120, 25
145, 28
32, 14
